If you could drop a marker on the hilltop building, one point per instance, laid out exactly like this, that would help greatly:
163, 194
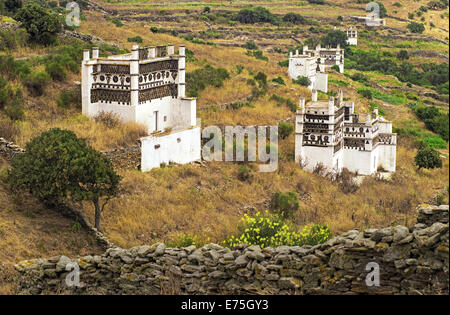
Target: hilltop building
331, 134
352, 35
313, 64
146, 86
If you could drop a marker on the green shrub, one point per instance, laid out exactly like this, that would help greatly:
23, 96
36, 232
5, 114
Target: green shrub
245, 173
10, 40
41, 23
294, 18
258, 54
136, 39
116, 22
69, 98
251, 45
367, 93
304, 81
56, 71
261, 78
428, 158
336, 68
334, 38
284, 63
199, 79
279, 80
284, 130
403, 54
37, 82
415, 27
256, 15
284, 204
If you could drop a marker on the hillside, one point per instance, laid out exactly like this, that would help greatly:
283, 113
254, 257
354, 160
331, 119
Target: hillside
206, 201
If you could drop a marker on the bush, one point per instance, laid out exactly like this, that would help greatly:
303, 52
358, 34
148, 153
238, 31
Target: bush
70, 98
279, 80
37, 82
403, 54
258, 54
136, 39
11, 100
245, 173
56, 71
304, 81
154, 29
41, 23
360, 77
256, 15
261, 78
250, 45
428, 158
266, 230
334, 38
199, 79
10, 40
116, 22
367, 93
294, 18
415, 27
11, 6
284, 130
284, 204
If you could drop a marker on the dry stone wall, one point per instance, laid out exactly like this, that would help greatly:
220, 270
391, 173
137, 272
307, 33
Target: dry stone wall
411, 261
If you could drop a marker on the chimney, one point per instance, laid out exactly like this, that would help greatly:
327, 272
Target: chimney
135, 52
341, 96
182, 50
302, 102
170, 50
290, 54
86, 55
314, 95
296, 52
95, 52
305, 48
375, 111
331, 105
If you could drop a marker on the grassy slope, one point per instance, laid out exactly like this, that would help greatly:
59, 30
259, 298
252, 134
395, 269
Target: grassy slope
209, 200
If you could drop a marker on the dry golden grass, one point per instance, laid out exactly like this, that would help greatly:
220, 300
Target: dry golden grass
208, 201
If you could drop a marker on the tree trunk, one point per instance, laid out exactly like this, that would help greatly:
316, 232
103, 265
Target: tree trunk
97, 214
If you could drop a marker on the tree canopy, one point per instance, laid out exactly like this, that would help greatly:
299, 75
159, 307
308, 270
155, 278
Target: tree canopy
40, 23
58, 166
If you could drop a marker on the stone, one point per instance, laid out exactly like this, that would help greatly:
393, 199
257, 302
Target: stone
241, 261
62, 263
160, 249
400, 232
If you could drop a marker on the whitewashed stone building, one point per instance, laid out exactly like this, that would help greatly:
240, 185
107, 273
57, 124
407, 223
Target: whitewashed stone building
331, 134
313, 64
352, 36
307, 66
146, 86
